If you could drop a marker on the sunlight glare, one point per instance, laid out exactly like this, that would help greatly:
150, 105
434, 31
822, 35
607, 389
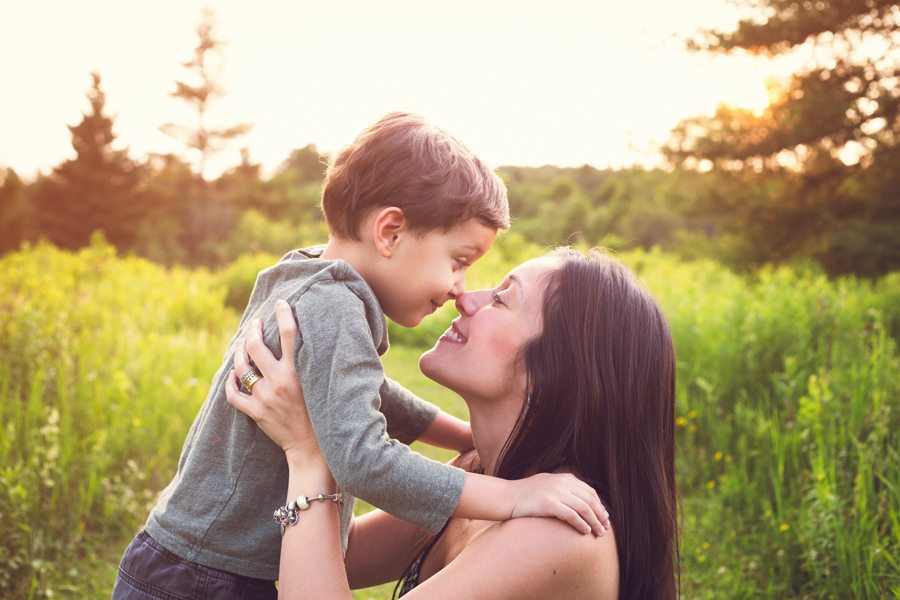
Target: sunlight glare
604, 86
755, 95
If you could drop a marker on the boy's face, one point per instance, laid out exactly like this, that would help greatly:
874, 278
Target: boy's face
427, 270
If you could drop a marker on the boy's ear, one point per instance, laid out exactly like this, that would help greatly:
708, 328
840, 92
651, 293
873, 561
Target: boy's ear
387, 228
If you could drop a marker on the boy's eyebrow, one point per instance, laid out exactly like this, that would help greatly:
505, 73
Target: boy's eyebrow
473, 247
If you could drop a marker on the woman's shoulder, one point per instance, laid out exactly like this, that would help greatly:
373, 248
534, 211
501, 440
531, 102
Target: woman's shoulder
565, 542
557, 556
528, 558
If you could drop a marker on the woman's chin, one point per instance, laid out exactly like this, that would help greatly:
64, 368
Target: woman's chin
426, 362
431, 364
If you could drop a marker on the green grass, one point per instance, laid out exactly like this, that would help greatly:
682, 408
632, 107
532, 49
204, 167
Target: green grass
788, 414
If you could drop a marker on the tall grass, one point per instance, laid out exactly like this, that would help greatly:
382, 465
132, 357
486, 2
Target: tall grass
788, 461
788, 420
103, 363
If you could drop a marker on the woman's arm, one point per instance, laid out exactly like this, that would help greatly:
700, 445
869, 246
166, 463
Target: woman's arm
312, 564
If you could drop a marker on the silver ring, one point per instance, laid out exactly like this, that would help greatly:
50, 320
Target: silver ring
250, 378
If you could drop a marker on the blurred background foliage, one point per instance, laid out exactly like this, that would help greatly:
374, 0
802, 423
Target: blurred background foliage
813, 176
770, 238
787, 416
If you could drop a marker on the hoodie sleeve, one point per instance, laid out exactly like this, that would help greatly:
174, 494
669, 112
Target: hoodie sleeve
342, 378
408, 416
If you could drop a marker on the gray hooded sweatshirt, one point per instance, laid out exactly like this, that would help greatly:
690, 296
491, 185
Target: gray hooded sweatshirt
217, 511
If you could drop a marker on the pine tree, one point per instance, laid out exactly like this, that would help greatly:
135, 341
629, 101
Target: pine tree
827, 145
13, 211
97, 190
199, 91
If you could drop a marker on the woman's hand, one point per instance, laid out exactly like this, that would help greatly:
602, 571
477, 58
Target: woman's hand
276, 403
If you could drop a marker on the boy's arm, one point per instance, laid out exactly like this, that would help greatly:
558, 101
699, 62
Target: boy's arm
409, 418
341, 375
407, 415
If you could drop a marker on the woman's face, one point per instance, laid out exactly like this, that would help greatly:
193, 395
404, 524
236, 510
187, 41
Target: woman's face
477, 356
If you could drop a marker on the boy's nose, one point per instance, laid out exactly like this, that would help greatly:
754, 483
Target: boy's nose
459, 285
469, 303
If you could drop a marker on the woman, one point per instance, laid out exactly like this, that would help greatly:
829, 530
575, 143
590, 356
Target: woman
567, 366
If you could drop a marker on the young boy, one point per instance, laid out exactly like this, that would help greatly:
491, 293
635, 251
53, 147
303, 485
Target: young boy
409, 210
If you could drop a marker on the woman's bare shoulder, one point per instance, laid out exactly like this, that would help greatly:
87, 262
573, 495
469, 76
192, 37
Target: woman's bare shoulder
569, 544
558, 557
528, 558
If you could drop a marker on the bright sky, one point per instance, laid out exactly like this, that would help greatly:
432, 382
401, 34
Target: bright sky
521, 82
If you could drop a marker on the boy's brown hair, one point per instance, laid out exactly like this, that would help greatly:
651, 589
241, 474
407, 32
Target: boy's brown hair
404, 161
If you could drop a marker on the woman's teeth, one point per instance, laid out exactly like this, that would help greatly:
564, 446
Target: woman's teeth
453, 335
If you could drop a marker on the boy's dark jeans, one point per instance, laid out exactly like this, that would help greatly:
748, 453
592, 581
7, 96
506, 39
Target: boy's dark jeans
150, 571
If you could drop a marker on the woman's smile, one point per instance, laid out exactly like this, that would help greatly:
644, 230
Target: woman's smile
477, 354
453, 335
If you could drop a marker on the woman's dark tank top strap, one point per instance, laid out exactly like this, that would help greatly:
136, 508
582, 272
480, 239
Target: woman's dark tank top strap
411, 577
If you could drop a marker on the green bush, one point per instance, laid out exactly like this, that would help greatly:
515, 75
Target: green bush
103, 364
787, 413
239, 277
788, 394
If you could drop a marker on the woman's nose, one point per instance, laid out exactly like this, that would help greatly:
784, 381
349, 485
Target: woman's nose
469, 303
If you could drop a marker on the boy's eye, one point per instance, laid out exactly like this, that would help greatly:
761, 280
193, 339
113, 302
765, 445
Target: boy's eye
462, 263
497, 299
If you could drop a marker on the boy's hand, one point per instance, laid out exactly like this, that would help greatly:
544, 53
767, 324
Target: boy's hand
560, 495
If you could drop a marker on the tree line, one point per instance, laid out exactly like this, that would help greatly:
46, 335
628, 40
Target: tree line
815, 176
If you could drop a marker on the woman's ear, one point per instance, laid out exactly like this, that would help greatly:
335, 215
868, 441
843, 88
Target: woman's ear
388, 226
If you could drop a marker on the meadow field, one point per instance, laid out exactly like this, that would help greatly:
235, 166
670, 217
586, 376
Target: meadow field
787, 420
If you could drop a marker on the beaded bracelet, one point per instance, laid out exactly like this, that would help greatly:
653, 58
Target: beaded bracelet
289, 514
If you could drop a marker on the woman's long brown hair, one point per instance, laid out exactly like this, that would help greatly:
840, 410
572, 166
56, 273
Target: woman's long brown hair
601, 402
